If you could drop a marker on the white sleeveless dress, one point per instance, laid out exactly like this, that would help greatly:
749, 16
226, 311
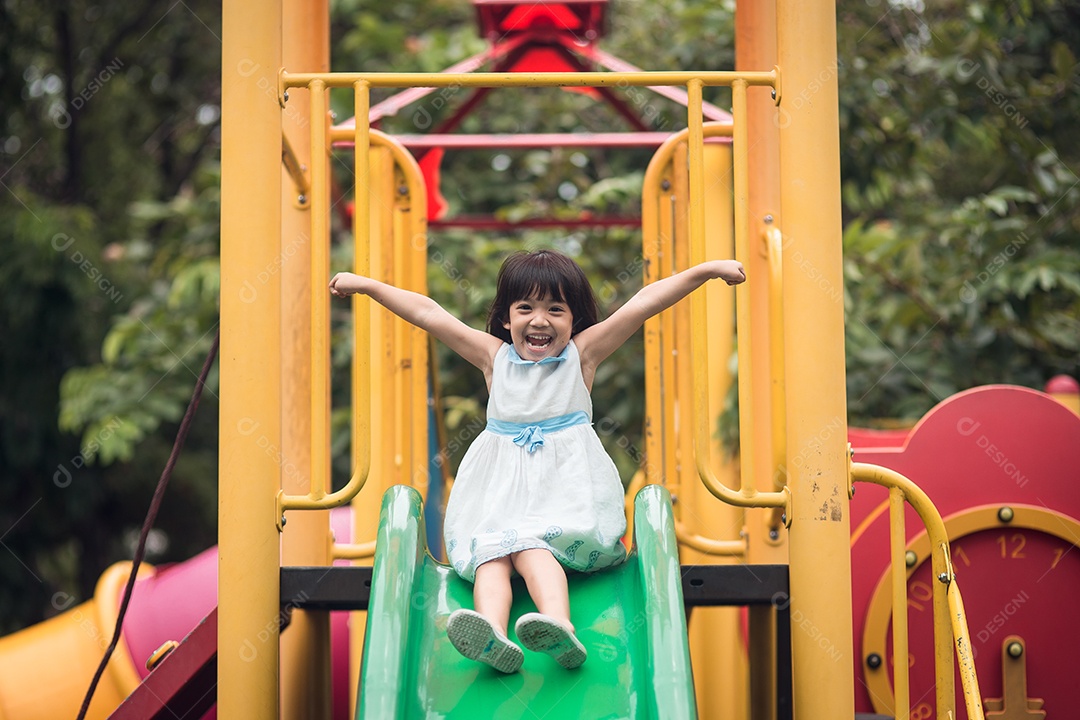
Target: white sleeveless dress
537, 476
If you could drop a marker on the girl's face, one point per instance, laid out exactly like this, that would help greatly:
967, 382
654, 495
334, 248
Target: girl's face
539, 327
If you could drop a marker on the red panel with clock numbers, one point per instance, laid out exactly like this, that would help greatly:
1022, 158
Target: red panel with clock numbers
977, 452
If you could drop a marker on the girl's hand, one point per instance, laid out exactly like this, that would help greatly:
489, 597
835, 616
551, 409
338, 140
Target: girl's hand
731, 271
345, 284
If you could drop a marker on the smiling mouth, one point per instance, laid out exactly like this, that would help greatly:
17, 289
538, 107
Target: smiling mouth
537, 343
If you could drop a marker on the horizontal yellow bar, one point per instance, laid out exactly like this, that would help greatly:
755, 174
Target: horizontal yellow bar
353, 551
504, 79
708, 546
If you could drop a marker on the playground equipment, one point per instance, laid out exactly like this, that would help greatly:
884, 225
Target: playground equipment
814, 500
1000, 464
781, 543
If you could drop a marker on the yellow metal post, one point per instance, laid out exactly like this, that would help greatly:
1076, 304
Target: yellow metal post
319, 395
305, 649
250, 415
755, 47
814, 344
369, 257
898, 571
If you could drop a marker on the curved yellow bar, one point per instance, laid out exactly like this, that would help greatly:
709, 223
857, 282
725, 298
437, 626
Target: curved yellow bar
361, 316
656, 265
649, 203
353, 551
708, 546
949, 619
747, 497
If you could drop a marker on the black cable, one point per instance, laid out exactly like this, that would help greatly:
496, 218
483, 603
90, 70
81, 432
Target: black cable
148, 523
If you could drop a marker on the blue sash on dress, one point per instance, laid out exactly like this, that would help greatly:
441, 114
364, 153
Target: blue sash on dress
531, 435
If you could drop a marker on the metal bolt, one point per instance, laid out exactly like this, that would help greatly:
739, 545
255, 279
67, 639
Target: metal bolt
1005, 514
873, 661
283, 521
910, 558
768, 219
286, 96
943, 578
161, 653
774, 534
783, 518
1015, 649
403, 189
852, 491
666, 185
302, 199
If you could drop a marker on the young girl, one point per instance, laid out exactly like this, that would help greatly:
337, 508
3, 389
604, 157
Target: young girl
536, 492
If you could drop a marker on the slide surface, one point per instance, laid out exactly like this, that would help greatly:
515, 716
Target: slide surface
630, 619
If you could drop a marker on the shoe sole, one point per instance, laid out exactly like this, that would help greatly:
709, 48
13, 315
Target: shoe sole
543, 634
474, 637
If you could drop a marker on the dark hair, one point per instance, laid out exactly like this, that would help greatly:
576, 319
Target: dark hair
543, 273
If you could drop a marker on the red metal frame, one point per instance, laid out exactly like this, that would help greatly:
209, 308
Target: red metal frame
533, 37
585, 19
184, 685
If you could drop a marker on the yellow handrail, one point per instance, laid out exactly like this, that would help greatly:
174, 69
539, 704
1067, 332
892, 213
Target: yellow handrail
361, 315
352, 551
287, 80
774, 251
950, 622
747, 496
362, 83
659, 260
708, 546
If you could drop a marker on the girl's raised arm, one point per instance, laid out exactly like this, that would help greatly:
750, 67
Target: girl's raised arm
474, 345
596, 343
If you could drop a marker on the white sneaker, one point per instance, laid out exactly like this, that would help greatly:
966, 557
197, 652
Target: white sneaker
541, 633
476, 638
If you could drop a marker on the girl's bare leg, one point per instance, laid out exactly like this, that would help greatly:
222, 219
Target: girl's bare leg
492, 594
546, 580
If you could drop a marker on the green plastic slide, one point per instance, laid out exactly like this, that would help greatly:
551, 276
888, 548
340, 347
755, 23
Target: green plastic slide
630, 619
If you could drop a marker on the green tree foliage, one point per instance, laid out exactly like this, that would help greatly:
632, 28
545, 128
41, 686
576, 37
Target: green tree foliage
109, 112
960, 188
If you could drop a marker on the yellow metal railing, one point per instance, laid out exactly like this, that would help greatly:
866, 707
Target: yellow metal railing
664, 252
747, 495
950, 622
769, 78
362, 136
947, 597
408, 267
664, 331
774, 251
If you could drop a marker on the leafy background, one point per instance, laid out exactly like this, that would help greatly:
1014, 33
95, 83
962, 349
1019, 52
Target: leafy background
960, 201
